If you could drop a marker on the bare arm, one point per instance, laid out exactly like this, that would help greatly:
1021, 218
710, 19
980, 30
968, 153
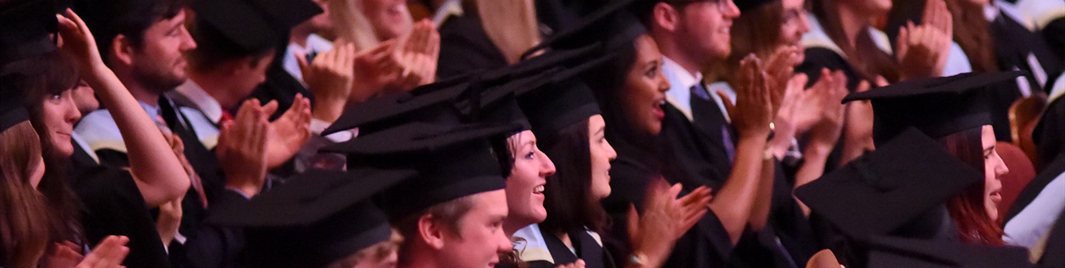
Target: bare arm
735, 201
763, 202
157, 172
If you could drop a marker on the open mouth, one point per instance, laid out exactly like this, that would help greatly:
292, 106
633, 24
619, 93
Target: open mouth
657, 109
539, 189
996, 196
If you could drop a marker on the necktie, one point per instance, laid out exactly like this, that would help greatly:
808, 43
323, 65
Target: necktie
226, 118
165, 111
707, 116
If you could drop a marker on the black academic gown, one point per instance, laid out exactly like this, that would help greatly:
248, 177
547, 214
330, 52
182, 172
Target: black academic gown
1012, 44
1048, 134
707, 244
215, 245
1054, 252
205, 164
1054, 34
112, 205
588, 250
280, 86
696, 153
466, 48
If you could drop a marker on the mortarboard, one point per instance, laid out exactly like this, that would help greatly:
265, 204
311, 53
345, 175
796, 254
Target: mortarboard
936, 106
25, 29
12, 109
251, 25
898, 189
453, 160
560, 101
614, 17
885, 252
475, 98
316, 218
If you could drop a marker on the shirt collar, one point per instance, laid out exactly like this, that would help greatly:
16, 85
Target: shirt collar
199, 99
990, 12
151, 109
84, 146
680, 83
315, 43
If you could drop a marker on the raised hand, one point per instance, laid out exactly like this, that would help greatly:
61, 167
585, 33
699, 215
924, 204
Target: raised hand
790, 118
829, 95
169, 220
108, 254
78, 41
62, 255
398, 65
665, 219
753, 110
780, 69
330, 79
923, 49
158, 176
288, 133
418, 56
937, 15
858, 125
374, 71
241, 149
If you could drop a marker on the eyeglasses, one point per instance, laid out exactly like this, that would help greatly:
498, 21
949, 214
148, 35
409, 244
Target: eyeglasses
722, 5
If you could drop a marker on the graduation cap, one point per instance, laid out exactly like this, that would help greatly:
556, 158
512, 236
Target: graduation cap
561, 101
455, 104
251, 25
898, 189
620, 26
468, 98
316, 218
891, 252
25, 27
12, 110
936, 106
747, 5
453, 160
487, 98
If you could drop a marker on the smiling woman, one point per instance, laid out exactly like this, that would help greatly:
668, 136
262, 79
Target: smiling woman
975, 210
526, 183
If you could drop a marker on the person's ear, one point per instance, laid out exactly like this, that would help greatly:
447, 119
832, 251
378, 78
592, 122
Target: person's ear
665, 16
122, 50
431, 231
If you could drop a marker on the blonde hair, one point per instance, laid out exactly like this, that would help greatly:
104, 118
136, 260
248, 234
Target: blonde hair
351, 24
510, 24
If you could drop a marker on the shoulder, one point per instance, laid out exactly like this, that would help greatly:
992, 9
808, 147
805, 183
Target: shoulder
99, 131
531, 245
206, 131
